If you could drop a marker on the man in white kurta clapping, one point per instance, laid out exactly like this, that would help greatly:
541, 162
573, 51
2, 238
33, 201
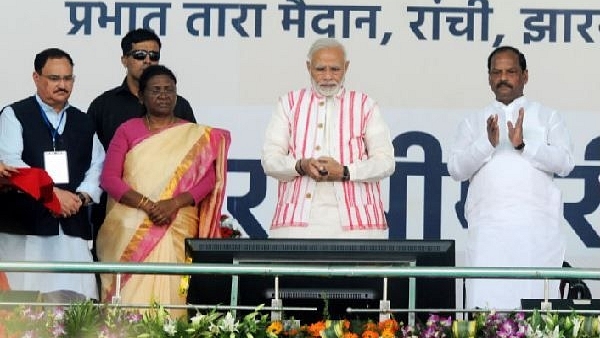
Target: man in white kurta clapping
510, 152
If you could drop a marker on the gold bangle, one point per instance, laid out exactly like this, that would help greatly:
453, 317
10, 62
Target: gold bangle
141, 202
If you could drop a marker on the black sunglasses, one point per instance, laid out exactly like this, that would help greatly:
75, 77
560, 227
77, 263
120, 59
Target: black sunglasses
141, 54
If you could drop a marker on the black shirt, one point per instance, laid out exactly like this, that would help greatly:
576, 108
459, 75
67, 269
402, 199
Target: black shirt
115, 106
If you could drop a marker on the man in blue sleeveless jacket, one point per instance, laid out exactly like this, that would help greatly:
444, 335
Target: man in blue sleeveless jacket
44, 131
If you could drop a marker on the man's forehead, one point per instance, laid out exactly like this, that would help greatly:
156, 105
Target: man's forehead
327, 60
331, 63
58, 63
146, 43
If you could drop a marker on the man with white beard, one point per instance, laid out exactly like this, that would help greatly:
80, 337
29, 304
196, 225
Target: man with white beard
329, 148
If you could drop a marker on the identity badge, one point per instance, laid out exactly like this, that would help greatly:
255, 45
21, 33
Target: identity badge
55, 163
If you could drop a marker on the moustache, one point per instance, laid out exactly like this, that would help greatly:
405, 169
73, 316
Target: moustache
61, 90
503, 83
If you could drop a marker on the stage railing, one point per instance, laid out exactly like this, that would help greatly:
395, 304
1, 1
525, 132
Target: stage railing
299, 270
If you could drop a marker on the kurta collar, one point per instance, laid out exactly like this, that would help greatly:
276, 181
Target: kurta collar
518, 102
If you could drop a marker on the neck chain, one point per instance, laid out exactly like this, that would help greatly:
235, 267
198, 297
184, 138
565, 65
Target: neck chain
151, 128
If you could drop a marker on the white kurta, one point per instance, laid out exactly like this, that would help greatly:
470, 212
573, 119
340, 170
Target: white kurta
61, 248
513, 207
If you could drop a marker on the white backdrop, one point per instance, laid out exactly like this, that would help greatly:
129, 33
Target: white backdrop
425, 83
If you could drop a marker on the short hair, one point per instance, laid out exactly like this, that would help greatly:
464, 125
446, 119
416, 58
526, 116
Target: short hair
522, 61
325, 43
152, 71
136, 36
50, 53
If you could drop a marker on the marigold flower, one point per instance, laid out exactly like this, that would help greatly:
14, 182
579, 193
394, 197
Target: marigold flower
275, 327
370, 334
315, 329
389, 324
350, 335
370, 326
388, 333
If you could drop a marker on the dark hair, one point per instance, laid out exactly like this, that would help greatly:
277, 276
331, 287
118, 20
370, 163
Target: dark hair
51, 53
152, 71
136, 36
522, 61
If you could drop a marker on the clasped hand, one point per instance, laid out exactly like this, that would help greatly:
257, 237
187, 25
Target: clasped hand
161, 212
322, 169
69, 202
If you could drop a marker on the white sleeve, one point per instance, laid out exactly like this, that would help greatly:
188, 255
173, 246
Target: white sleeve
470, 151
276, 159
556, 154
11, 139
380, 163
91, 181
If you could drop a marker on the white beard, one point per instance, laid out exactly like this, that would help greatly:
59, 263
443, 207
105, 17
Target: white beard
327, 91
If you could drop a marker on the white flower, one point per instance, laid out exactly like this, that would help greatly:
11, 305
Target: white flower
230, 223
170, 327
214, 328
197, 319
577, 325
228, 324
546, 334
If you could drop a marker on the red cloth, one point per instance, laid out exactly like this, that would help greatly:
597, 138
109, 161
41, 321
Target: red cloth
4, 286
38, 184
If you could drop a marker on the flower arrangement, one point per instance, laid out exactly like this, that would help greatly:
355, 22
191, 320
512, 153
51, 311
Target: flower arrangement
85, 320
485, 325
230, 227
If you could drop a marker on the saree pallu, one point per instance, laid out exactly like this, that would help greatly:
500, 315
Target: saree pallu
160, 167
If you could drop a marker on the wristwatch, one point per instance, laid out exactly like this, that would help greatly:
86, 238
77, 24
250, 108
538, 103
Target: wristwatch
520, 146
84, 200
346, 174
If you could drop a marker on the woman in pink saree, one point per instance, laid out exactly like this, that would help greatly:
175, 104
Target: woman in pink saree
165, 178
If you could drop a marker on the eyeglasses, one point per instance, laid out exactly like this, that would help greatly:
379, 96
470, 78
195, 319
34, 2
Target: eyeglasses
58, 78
141, 54
165, 91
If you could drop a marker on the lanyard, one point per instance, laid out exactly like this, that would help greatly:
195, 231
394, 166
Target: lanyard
53, 130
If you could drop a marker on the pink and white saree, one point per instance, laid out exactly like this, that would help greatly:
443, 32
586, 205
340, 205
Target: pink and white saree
159, 167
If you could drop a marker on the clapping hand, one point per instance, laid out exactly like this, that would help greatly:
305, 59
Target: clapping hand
493, 131
515, 132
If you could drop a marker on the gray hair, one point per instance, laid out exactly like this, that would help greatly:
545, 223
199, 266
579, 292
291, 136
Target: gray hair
323, 43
